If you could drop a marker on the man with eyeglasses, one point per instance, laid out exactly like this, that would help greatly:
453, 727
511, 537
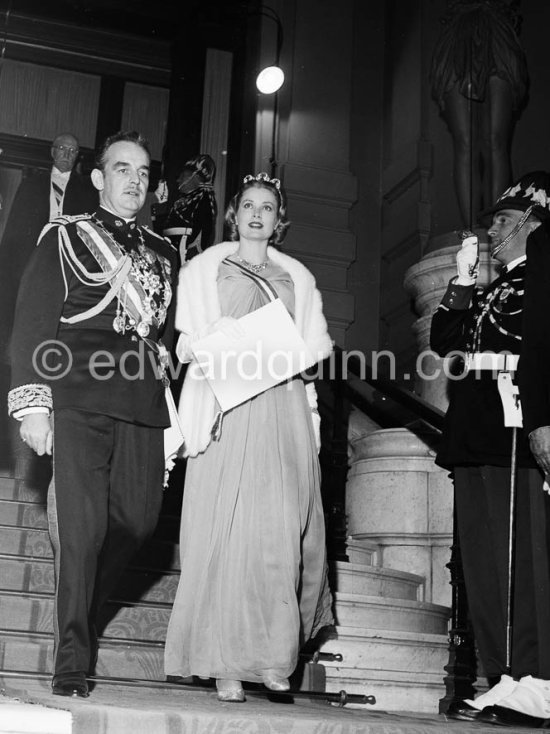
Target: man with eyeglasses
42, 196
65, 150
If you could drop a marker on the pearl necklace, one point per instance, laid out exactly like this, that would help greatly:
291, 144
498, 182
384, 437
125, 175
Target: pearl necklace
251, 266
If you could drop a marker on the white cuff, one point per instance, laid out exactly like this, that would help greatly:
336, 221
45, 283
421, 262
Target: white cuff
20, 414
464, 280
33, 395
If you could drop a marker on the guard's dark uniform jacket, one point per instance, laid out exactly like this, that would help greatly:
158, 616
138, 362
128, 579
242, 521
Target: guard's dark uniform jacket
470, 319
106, 363
534, 367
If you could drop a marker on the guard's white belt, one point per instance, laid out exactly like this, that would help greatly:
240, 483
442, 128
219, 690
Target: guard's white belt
176, 230
492, 361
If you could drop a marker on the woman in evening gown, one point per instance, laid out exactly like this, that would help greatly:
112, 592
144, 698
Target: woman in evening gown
253, 586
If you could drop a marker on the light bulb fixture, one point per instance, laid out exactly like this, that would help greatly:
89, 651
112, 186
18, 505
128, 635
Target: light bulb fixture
270, 79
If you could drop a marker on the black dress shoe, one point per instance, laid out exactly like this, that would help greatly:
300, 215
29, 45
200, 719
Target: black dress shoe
488, 715
462, 711
71, 684
509, 717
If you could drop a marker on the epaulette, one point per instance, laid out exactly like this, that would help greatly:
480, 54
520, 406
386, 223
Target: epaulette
70, 218
62, 221
166, 240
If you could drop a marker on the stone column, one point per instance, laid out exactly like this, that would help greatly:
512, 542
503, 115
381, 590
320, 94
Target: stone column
397, 498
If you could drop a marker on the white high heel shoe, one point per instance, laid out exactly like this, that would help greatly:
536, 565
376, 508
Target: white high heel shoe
230, 690
275, 682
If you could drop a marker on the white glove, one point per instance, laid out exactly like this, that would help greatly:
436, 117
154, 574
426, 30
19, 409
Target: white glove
161, 192
228, 326
467, 261
168, 466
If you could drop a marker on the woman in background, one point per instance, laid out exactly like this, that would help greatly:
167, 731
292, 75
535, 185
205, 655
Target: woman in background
253, 585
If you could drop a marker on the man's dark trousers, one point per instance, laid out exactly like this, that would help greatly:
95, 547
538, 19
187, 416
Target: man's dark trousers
482, 496
103, 502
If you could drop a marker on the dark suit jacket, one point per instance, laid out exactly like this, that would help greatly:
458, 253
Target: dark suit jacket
29, 213
534, 363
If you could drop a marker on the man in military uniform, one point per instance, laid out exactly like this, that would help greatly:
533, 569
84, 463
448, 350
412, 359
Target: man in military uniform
88, 384
477, 447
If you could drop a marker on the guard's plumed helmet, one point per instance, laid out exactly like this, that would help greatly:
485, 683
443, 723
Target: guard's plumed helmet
531, 190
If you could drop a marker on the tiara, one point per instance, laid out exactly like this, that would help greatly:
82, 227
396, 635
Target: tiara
263, 177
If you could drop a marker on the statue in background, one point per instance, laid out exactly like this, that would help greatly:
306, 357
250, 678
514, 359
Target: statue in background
479, 80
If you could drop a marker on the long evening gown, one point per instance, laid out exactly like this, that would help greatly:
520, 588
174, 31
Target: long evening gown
253, 583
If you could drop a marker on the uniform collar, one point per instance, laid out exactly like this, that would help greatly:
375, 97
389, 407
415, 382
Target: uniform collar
513, 263
114, 221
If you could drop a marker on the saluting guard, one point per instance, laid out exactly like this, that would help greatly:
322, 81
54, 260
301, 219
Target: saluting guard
478, 446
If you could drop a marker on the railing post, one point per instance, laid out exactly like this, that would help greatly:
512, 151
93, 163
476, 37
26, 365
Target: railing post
461, 668
334, 463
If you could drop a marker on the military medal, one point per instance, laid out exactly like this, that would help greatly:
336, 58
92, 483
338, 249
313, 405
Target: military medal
118, 324
164, 361
149, 279
143, 329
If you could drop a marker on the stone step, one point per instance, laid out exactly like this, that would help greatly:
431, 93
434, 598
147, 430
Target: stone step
13, 488
356, 610
34, 489
23, 574
388, 649
24, 514
378, 648
32, 612
363, 551
35, 543
28, 542
355, 578
37, 575
411, 691
117, 658
394, 645
18, 513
